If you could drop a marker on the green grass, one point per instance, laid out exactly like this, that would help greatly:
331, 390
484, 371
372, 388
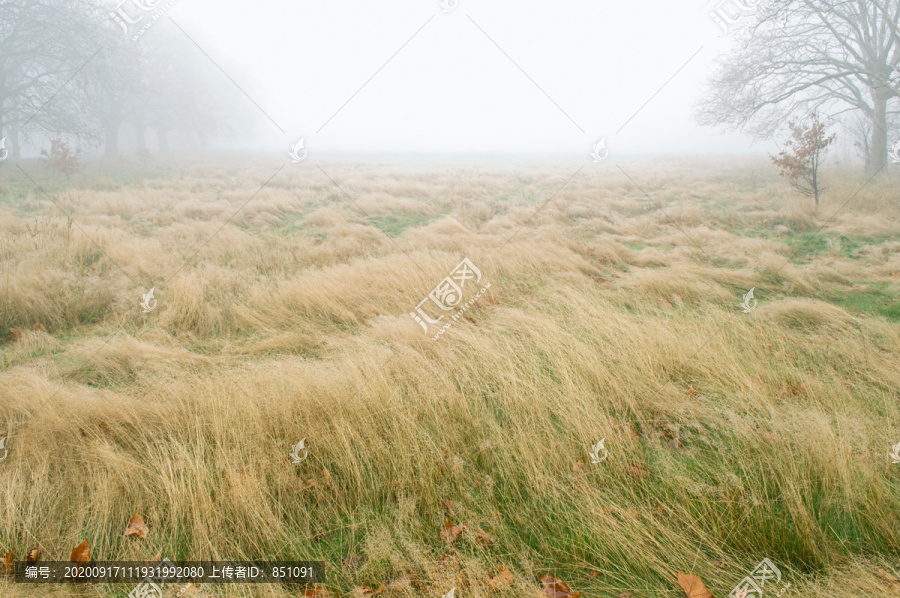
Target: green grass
874, 299
393, 226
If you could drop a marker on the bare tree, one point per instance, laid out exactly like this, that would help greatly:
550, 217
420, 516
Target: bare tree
859, 128
41, 42
803, 56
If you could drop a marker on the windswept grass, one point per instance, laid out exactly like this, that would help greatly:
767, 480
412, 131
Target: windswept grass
731, 436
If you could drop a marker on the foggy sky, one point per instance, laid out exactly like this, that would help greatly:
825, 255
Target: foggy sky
594, 64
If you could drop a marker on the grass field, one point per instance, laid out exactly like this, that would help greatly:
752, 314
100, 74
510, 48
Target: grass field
613, 313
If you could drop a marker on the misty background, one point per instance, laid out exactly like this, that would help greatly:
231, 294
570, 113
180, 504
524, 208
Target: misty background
396, 78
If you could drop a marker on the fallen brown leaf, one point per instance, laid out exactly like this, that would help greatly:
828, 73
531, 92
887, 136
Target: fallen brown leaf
502, 580
692, 586
16, 333
9, 561
38, 327
301, 485
326, 477
34, 555
720, 564
451, 532
580, 465
448, 505
317, 592
691, 392
364, 592
554, 587
81, 553
484, 538
137, 527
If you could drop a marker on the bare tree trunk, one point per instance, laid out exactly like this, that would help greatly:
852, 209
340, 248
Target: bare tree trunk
879, 149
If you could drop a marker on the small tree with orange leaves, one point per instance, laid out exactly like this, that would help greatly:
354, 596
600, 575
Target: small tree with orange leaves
803, 156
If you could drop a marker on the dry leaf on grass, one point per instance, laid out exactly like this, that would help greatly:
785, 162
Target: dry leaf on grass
692, 586
451, 532
484, 538
81, 553
38, 327
9, 561
16, 333
580, 465
301, 485
502, 580
137, 527
34, 555
326, 477
366, 592
691, 392
317, 592
720, 565
449, 506
554, 587
675, 445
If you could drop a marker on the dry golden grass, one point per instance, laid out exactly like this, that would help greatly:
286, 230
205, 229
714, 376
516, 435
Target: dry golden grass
613, 313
